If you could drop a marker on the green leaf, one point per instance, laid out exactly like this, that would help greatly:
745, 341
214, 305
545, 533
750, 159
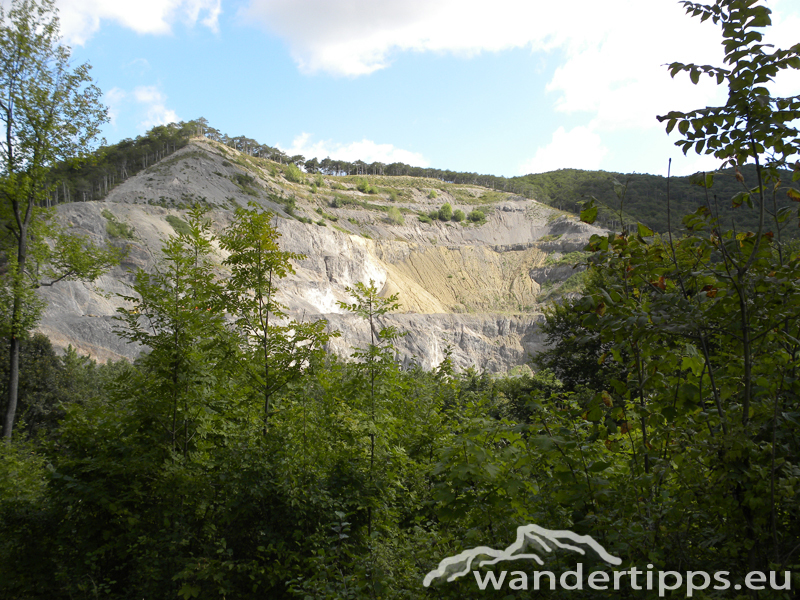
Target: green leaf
740, 198
598, 466
704, 180
644, 230
783, 213
793, 194
589, 214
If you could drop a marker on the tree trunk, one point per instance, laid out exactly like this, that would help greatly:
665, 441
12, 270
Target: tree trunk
13, 351
13, 386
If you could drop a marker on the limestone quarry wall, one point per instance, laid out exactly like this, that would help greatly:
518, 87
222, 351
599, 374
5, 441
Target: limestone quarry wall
475, 288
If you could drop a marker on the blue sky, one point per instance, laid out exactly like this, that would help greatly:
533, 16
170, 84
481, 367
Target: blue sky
505, 87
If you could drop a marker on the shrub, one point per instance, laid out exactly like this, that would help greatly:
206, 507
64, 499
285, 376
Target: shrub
363, 186
319, 181
477, 216
293, 173
458, 215
115, 229
445, 212
424, 218
392, 195
433, 194
179, 225
433, 215
395, 216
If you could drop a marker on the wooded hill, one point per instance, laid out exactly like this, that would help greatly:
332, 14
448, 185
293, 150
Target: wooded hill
622, 198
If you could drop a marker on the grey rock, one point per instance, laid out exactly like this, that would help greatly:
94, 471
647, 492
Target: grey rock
470, 288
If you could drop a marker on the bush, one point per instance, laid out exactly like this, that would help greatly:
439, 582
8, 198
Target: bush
477, 216
395, 216
179, 225
446, 212
319, 181
432, 194
115, 229
363, 186
458, 215
293, 173
424, 218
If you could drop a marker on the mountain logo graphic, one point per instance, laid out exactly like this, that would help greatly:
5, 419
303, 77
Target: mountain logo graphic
546, 539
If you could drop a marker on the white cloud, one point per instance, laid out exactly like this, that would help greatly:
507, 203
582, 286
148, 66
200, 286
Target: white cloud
612, 54
365, 150
155, 109
146, 106
578, 148
358, 37
80, 19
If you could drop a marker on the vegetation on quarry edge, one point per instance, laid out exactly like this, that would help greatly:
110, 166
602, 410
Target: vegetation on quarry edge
237, 459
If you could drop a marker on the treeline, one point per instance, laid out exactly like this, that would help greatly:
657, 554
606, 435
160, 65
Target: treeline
637, 197
92, 179
643, 198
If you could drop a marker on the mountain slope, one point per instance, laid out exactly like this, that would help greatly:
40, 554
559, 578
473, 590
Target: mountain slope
473, 286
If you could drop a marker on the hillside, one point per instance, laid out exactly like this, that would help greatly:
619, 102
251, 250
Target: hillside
476, 285
643, 197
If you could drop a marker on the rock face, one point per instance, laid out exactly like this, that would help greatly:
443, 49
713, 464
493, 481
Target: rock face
473, 287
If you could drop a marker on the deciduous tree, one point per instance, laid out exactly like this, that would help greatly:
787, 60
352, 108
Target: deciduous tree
50, 111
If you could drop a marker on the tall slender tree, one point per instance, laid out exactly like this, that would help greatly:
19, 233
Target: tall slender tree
50, 111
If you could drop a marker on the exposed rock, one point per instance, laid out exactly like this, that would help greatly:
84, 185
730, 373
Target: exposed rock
472, 287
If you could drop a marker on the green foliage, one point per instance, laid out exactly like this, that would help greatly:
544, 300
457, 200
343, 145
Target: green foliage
279, 352
180, 226
570, 258
664, 425
49, 383
365, 187
395, 216
293, 173
50, 111
445, 212
423, 218
458, 215
247, 183
477, 216
433, 194
115, 229
752, 122
326, 215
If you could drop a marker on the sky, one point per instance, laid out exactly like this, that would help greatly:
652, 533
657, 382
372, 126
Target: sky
507, 87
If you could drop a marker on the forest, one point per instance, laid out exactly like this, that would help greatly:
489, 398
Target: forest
236, 458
